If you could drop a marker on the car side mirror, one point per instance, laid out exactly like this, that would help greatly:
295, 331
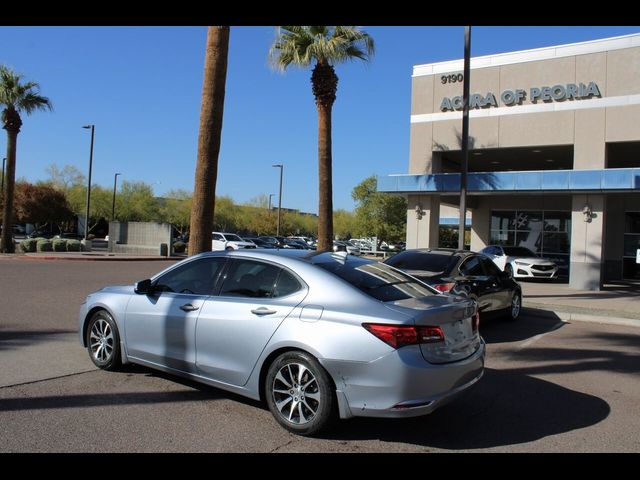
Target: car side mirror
143, 287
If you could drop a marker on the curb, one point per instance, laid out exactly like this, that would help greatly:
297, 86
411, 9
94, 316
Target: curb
100, 258
568, 316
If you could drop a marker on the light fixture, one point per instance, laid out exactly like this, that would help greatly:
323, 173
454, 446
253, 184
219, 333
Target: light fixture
477, 154
537, 150
587, 212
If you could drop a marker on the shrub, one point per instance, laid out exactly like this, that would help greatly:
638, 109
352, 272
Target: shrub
179, 247
73, 245
44, 245
28, 245
59, 245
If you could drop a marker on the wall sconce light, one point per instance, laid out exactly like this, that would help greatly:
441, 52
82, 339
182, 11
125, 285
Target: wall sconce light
586, 211
419, 212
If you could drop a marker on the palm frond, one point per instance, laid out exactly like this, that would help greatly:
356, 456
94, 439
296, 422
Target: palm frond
301, 45
21, 96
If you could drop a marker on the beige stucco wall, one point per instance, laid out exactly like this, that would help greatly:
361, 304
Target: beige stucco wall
616, 72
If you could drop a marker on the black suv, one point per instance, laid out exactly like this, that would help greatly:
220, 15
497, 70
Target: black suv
463, 272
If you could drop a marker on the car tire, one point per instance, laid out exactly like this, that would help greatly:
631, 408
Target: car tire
300, 393
103, 341
508, 269
514, 310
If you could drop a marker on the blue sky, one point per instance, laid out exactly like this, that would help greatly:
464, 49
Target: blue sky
141, 87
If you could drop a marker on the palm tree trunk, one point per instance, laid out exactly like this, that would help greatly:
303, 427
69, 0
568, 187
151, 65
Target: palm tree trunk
325, 180
6, 242
211, 112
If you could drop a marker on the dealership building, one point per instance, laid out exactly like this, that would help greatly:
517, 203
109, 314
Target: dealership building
554, 155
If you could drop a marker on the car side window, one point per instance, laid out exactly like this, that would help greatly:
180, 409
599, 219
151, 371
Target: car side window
489, 267
472, 267
195, 278
286, 284
217, 236
248, 278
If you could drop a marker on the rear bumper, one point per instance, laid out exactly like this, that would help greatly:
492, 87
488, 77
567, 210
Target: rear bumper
401, 384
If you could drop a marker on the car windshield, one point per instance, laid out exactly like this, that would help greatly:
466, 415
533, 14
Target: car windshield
232, 238
435, 263
518, 252
377, 280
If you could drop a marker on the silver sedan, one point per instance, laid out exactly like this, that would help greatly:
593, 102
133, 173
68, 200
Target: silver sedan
315, 335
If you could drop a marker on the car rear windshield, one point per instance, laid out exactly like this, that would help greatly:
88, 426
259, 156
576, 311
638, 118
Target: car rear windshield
518, 251
378, 280
435, 263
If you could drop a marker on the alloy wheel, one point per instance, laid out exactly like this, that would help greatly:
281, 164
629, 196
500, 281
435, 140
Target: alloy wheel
296, 393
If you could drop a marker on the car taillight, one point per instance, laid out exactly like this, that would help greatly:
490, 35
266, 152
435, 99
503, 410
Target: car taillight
400, 335
444, 287
475, 322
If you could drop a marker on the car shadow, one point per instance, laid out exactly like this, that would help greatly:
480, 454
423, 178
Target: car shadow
504, 408
495, 329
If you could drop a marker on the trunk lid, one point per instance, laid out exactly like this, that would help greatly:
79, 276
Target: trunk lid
454, 315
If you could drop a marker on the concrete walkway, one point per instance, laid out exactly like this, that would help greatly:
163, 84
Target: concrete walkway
616, 304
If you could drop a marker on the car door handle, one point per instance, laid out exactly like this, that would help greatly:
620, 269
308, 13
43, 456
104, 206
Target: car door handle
262, 311
188, 307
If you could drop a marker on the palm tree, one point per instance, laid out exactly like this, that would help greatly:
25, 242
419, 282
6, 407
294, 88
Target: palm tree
324, 46
15, 96
211, 110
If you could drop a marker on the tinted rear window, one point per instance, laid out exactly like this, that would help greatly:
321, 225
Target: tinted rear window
378, 280
429, 262
518, 251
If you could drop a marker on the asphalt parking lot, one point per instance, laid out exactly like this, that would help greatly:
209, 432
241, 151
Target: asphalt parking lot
549, 386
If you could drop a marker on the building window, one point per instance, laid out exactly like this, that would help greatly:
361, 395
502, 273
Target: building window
547, 233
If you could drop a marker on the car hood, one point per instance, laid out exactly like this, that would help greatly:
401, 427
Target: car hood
536, 260
116, 289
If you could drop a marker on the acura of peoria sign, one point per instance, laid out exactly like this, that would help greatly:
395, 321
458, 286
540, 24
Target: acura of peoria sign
509, 98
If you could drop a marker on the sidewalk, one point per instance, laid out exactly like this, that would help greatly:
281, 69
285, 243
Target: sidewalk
95, 256
619, 304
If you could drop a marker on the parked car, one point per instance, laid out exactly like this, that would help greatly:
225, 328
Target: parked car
314, 335
521, 262
461, 271
260, 243
342, 246
229, 241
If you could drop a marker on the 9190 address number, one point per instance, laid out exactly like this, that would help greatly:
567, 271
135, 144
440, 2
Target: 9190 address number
453, 78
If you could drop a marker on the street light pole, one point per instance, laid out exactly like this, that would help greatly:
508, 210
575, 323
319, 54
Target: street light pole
281, 167
465, 138
86, 221
113, 205
2, 185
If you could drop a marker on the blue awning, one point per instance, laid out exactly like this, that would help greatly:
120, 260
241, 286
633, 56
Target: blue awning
567, 181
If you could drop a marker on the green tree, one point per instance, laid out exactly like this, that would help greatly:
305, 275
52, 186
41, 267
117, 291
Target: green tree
135, 203
344, 224
210, 131
324, 46
379, 214
176, 209
16, 96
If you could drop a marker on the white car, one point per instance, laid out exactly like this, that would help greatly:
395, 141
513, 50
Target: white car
229, 241
521, 262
